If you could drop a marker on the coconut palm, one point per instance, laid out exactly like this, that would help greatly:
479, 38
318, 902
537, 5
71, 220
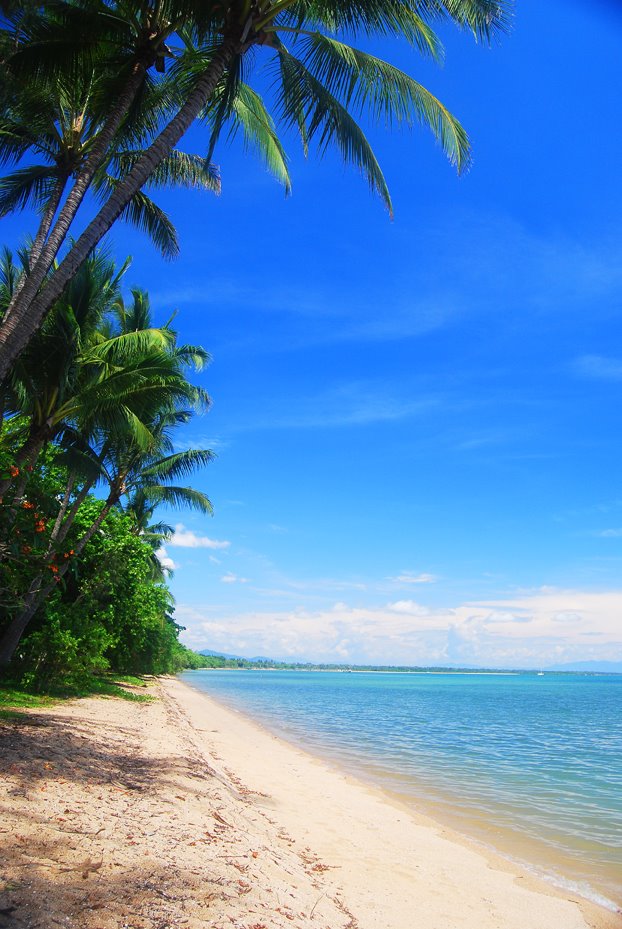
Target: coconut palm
154, 534
57, 129
130, 391
62, 384
322, 84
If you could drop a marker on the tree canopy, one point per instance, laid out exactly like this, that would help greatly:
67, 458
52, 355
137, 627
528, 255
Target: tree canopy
93, 406
115, 85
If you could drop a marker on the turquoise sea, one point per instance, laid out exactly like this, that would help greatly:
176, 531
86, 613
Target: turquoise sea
529, 764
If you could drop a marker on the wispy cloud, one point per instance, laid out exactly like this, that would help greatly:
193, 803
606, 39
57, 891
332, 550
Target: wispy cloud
231, 578
185, 538
407, 577
357, 403
599, 367
463, 271
213, 443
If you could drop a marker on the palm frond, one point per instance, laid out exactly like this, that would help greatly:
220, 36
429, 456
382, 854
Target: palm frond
219, 113
26, 187
181, 464
327, 121
147, 216
394, 18
194, 356
137, 343
250, 115
177, 169
366, 83
177, 497
486, 19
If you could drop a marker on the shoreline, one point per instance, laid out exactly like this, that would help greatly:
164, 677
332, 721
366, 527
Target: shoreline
370, 805
184, 813
555, 866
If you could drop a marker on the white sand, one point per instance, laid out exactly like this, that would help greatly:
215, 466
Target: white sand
395, 869
181, 814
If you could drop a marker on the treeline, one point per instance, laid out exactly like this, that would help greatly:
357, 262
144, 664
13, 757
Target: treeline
197, 661
87, 455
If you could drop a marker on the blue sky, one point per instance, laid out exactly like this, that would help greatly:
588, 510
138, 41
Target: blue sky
417, 421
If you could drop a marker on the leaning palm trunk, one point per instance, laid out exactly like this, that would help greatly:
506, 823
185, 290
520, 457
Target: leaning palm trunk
63, 506
60, 530
17, 627
46, 222
29, 313
39, 240
48, 251
39, 590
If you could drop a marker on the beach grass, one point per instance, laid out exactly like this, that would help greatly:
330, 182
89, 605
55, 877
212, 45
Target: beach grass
14, 698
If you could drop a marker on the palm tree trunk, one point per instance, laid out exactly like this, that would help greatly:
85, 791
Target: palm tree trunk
37, 245
25, 320
37, 594
46, 221
12, 636
47, 253
63, 507
58, 535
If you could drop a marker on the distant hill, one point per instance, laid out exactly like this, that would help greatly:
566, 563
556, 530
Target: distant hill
208, 651
602, 667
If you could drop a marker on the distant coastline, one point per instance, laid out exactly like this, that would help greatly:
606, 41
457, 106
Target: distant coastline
209, 659
358, 670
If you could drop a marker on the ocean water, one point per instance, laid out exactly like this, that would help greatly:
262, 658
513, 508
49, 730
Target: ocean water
530, 765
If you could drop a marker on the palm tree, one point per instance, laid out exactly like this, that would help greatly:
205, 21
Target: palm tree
154, 534
322, 84
46, 383
57, 129
64, 383
121, 435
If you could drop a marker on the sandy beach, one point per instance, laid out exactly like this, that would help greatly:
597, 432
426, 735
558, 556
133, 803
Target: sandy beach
180, 812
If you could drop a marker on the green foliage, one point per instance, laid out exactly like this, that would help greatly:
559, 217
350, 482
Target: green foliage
14, 698
107, 613
61, 652
193, 661
94, 402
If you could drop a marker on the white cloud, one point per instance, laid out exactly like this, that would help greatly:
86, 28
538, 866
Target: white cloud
165, 560
408, 606
407, 577
231, 578
356, 403
185, 538
530, 630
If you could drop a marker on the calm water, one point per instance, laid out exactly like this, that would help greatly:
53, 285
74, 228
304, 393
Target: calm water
529, 764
